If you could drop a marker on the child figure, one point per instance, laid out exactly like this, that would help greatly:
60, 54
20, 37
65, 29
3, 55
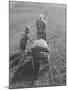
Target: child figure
24, 39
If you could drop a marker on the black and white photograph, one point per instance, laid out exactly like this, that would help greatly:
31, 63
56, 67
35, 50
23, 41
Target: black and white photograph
37, 44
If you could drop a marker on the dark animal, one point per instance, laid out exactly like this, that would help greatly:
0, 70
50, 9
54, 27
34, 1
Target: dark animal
29, 70
26, 72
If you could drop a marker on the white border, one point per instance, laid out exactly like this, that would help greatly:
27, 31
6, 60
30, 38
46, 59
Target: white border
4, 43
45, 1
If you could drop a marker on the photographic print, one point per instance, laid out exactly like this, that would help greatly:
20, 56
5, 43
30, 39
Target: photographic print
37, 44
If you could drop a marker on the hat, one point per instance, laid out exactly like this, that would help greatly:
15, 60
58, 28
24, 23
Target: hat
27, 29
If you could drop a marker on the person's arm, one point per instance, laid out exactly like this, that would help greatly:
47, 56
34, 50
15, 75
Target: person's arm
36, 26
30, 39
46, 23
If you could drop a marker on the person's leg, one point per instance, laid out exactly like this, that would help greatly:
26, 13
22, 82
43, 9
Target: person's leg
44, 36
39, 35
23, 52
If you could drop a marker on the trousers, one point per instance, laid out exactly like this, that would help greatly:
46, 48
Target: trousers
41, 35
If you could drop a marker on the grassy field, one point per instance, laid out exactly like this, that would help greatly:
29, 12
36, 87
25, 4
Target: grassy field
22, 14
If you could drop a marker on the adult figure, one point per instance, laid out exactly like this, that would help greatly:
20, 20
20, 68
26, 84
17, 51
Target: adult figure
41, 25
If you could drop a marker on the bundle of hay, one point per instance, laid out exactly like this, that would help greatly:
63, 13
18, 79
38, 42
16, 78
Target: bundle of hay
40, 43
40, 49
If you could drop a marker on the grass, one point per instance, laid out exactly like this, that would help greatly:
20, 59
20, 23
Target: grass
22, 14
